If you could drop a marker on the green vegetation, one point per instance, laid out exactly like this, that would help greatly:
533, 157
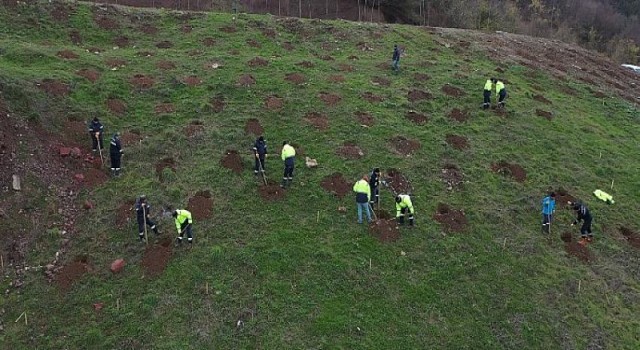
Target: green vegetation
296, 272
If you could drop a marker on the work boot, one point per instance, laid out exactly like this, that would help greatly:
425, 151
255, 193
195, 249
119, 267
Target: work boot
589, 239
117, 172
141, 237
178, 241
155, 230
114, 173
583, 241
284, 183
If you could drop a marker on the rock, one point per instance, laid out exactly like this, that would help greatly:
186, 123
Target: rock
117, 265
65, 151
98, 306
342, 209
79, 177
311, 163
76, 152
16, 183
88, 205
50, 267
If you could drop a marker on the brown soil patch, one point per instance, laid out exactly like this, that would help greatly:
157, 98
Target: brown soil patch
67, 54
450, 90
201, 205
165, 65
269, 32
319, 121
192, 80
106, 23
218, 104
94, 50
381, 81
452, 176
254, 43
54, 87
330, 99
288, 46
326, 58
372, 98
187, 28
117, 106
253, 126
499, 70
508, 169
365, 118
71, 272
417, 118
542, 99
156, 257
397, 181
271, 191
94, 177
209, 42
421, 77
232, 161
336, 184
418, 95
403, 146
579, 251
145, 54
353, 58
350, 151
246, 80
544, 114
115, 63
124, 213
61, 13
130, 138
164, 108
195, 128
631, 237
196, 52
274, 102
258, 62
164, 164
452, 220
295, 78
457, 142
337, 78
306, 64
458, 115
599, 94
563, 198
75, 37
343, 67
229, 29
566, 236
234, 52
568, 90
90, 74
164, 44
141, 81
148, 29
385, 230
121, 41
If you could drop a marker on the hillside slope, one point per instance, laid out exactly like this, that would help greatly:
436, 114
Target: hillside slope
286, 269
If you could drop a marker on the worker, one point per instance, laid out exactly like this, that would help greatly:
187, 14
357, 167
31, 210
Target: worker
501, 91
404, 207
363, 196
183, 224
583, 215
548, 208
488, 86
374, 184
395, 63
260, 151
95, 131
143, 210
116, 152
289, 157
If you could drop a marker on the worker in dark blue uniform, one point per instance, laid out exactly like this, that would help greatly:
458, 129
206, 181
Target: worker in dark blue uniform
260, 151
115, 152
143, 208
583, 215
95, 131
374, 184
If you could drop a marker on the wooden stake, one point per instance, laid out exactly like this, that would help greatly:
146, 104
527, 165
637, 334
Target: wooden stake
579, 283
369, 263
118, 304
612, 184
504, 244
19, 317
207, 288
2, 260
318, 217
25, 319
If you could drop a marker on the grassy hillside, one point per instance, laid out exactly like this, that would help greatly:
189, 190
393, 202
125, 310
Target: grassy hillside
293, 272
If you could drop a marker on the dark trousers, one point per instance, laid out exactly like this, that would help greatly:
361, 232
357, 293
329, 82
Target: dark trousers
585, 230
150, 223
288, 172
115, 161
375, 194
502, 96
94, 141
259, 163
185, 227
487, 99
546, 222
403, 212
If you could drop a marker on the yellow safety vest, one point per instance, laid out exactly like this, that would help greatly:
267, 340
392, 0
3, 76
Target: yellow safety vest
488, 85
499, 86
405, 202
362, 186
183, 215
288, 151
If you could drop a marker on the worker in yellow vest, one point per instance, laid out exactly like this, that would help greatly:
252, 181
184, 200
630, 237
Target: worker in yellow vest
363, 196
488, 87
289, 157
184, 222
501, 93
404, 207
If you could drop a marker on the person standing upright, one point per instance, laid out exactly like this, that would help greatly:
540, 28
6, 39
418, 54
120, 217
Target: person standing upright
363, 196
488, 87
260, 151
374, 184
395, 61
288, 155
143, 208
95, 131
583, 215
116, 152
548, 208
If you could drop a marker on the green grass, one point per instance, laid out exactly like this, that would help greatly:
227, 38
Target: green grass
299, 280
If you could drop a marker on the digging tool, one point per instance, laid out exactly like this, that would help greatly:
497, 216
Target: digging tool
375, 217
99, 147
261, 169
144, 218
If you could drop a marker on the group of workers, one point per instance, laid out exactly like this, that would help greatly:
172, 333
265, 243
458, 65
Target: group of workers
501, 93
369, 185
582, 216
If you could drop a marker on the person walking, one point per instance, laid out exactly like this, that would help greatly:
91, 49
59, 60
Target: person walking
374, 184
95, 131
115, 152
143, 210
583, 215
404, 207
260, 151
501, 91
488, 86
184, 224
363, 196
548, 208
288, 155
395, 61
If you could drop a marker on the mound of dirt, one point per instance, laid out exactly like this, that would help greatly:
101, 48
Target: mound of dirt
508, 169
75, 37
121, 41
61, 13
208, 41
67, 54
164, 108
195, 128
142, 81
319, 121
452, 176
563, 198
330, 99
164, 44
130, 138
336, 78
269, 32
271, 191
599, 94
71, 272
364, 118
397, 181
372, 98
90, 74
54, 87
417, 118
380, 81
274, 102
201, 205
566, 237
253, 126
631, 237
403, 146
542, 99
326, 58
186, 28
94, 50
156, 257
246, 80
115, 63
165, 65
253, 43
350, 151
420, 77
295, 78
116, 106
148, 29
343, 67
457, 142
232, 161
192, 80
418, 95
288, 46
458, 115
336, 184
544, 114
218, 104
306, 64
385, 230
258, 62
453, 91
169, 163
106, 23
94, 177
579, 251
124, 213
452, 220
229, 29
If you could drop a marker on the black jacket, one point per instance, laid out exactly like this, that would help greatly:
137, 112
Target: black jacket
260, 147
95, 127
115, 146
583, 214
